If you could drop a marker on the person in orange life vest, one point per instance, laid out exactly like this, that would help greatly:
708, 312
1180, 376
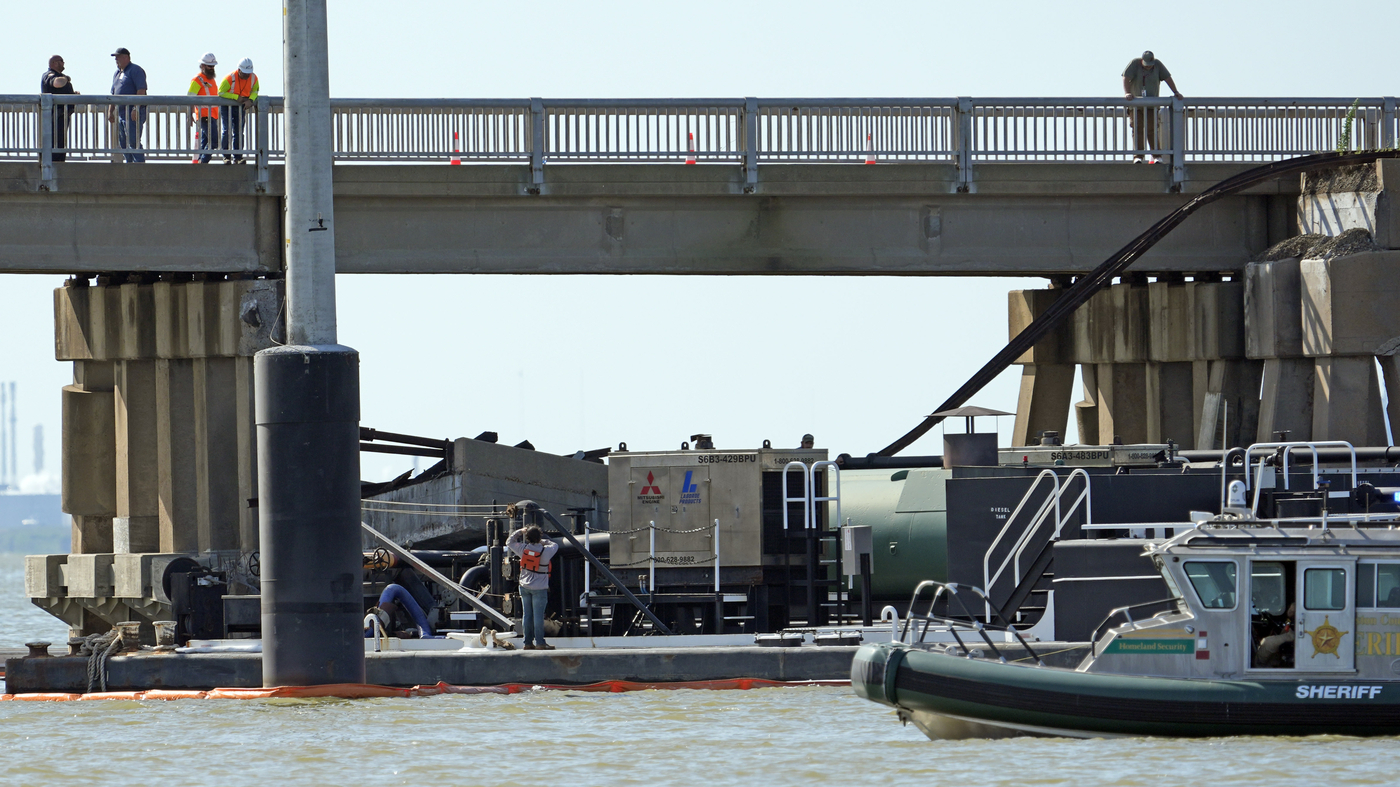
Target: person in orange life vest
240, 85
206, 116
535, 552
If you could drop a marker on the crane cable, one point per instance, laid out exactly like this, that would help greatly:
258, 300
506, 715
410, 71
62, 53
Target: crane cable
1090, 284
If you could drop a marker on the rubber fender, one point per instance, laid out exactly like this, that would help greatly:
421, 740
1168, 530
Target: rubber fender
892, 665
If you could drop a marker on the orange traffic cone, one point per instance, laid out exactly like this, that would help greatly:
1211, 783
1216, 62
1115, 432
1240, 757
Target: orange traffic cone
456, 159
869, 150
690, 159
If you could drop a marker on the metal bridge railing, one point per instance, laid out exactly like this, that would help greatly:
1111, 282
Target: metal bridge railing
743, 131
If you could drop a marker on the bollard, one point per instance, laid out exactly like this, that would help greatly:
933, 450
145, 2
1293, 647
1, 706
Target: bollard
308, 412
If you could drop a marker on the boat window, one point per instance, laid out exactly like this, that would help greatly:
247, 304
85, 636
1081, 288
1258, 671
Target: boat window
1388, 585
1268, 591
1325, 588
1366, 584
1214, 583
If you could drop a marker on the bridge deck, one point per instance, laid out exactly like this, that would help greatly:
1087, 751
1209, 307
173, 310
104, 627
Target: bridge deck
1038, 218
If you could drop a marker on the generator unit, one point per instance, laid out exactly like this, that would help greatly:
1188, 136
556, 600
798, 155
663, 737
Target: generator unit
676, 515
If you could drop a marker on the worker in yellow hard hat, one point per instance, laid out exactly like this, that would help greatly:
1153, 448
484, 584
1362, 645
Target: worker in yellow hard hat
240, 85
206, 116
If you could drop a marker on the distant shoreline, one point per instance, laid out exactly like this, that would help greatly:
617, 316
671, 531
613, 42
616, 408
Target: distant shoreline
36, 539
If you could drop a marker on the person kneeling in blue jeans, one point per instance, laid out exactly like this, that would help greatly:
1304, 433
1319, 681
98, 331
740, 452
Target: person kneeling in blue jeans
535, 552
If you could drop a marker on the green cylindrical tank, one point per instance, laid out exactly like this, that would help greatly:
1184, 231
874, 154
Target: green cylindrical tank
907, 514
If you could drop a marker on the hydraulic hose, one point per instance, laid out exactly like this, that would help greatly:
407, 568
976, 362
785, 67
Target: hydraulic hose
1088, 285
400, 596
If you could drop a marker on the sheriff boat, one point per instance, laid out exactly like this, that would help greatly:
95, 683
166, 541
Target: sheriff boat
1273, 627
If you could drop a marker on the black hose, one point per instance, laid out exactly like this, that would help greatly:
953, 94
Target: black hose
1102, 276
874, 462
474, 576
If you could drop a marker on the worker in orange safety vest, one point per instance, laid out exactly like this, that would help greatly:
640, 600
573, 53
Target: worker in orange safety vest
240, 85
206, 116
535, 551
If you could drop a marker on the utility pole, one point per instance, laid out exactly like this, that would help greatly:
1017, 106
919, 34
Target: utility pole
307, 401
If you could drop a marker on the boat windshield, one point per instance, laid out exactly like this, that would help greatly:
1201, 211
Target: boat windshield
1214, 582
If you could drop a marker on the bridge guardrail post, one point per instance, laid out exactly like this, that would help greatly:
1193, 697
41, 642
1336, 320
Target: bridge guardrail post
1178, 143
750, 145
963, 143
260, 131
46, 129
536, 145
1388, 122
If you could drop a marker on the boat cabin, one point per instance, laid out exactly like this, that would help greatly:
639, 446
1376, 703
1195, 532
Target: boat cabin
1258, 601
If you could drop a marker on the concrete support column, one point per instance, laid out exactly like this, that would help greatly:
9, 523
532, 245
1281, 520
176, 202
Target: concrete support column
175, 450
136, 527
217, 507
1086, 410
1122, 402
1286, 399
1227, 390
1046, 389
1347, 401
89, 456
1168, 393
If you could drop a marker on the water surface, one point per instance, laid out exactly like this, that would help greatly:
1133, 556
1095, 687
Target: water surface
794, 736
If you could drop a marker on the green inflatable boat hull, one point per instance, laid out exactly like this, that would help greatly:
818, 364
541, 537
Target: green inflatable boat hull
957, 697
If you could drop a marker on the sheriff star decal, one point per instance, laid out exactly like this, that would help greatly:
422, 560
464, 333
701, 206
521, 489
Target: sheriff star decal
1326, 638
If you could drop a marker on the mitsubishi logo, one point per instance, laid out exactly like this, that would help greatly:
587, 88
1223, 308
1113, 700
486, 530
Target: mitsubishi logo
651, 488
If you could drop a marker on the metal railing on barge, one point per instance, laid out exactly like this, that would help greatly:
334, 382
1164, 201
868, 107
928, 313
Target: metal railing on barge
741, 131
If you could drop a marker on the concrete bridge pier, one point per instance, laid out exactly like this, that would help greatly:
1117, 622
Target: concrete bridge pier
1156, 361
158, 454
1290, 345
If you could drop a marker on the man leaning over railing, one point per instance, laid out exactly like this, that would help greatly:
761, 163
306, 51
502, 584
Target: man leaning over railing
240, 85
130, 80
1143, 78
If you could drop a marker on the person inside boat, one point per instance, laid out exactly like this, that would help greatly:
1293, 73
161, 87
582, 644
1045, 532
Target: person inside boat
1275, 651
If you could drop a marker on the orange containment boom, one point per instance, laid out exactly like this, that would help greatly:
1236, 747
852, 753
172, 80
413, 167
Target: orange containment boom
356, 691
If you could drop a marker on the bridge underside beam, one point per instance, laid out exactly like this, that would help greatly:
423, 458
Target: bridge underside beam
895, 219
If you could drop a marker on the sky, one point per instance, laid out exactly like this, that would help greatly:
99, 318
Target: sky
597, 360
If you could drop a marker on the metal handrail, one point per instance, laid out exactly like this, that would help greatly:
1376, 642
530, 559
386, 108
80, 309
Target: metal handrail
749, 131
1126, 612
1052, 499
834, 475
929, 619
806, 499
1061, 517
1287, 447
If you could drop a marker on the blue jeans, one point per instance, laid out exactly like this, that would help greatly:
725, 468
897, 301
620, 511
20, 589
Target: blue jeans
129, 121
208, 130
233, 132
532, 614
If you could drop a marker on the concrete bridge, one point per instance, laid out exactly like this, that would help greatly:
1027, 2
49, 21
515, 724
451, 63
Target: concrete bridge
159, 445
957, 186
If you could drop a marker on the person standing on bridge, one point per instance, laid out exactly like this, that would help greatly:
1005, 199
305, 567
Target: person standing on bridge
1143, 78
130, 80
56, 82
535, 552
240, 85
206, 116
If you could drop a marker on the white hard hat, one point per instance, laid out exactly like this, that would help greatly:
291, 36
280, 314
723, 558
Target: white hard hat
246, 66
208, 59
